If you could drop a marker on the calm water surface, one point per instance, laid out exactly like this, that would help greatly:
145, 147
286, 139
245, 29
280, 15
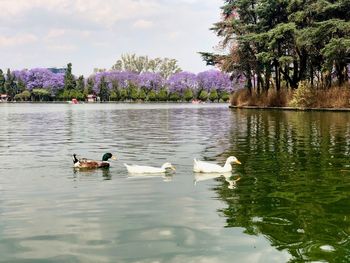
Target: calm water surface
292, 203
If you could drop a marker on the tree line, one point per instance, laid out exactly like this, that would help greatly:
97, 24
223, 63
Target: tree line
281, 43
131, 78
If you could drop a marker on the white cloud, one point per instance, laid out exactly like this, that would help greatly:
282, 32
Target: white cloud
143, 24
56, 32
174, 35
17, 40
105, 29
105, 12
61, 47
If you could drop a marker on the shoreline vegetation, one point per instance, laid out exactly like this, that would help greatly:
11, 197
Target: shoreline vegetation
287, 53
305, 97
132, 78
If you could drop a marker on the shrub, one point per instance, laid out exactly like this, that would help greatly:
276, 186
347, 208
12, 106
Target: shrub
213, 96
304, 96
336, 97
114, 96
174, 96
41, 94
162, 95
152, 95
225, 96
23, 96
123, 94
133, 92
242, 97
188, 95
142, 94
203, 95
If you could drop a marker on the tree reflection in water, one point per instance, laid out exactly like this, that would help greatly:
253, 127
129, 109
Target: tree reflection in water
295, 186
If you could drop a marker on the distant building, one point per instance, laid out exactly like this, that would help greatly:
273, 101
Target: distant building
57, 70
91, 98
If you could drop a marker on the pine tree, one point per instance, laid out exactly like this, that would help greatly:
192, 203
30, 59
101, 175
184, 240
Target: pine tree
2, 82
69, 80
10, 85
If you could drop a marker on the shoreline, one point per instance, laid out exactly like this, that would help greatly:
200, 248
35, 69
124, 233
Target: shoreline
290, 108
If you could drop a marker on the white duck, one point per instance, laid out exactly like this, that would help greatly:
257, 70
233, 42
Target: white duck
205, 167
140, 169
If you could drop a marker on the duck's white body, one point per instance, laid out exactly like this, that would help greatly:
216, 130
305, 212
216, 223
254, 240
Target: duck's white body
205, 167
141, 169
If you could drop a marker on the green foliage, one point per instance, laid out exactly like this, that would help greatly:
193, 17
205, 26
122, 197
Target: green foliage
80, 84
41, 94
123, 94
89, 87
23, 96
162, 95
337, 53
188, 95
21, 86
283, 42
213, 95
152, 95
114, 96
10, 85
174, 96
2, 82
133, 92
225, 96
103, 90
304, 96
77, 94
203, 95
72, 94
142, 94
69, 80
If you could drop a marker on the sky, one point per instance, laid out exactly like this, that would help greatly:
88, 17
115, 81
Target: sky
95, 33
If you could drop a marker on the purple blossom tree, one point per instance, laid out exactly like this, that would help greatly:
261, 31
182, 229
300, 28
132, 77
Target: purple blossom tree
151, 81
121, 78
214, 80
40, 78
181, 81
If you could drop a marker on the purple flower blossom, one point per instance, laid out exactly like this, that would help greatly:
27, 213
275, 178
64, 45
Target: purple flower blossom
40, 78
122, 78
181, 81
151, 81
214, 80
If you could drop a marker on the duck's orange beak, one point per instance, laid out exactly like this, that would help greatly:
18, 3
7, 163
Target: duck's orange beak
114, 158
238, 162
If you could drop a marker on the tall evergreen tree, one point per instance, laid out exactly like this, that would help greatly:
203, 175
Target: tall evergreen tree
103, 90
69, 79
89, 86
80, 84
10, 85
284, 41
2, 82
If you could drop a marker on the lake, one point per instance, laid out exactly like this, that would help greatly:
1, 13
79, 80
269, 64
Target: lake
291, 203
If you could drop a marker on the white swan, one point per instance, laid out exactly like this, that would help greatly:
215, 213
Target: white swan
140, 169
205, 167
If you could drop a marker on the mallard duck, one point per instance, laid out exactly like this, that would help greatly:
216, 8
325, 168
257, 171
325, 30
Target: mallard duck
140, 169
205, 167
90, 164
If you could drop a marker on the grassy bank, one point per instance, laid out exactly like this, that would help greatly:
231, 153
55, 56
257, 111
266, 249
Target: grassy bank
303, 97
